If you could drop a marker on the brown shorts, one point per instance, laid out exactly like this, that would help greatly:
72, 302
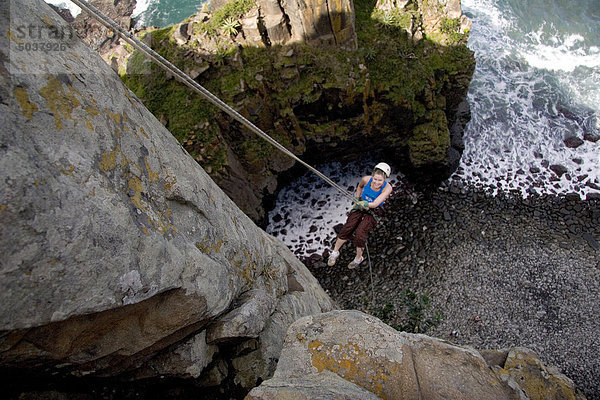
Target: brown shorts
358, 224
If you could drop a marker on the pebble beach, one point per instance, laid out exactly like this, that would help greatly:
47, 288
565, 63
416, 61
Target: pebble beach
502, 270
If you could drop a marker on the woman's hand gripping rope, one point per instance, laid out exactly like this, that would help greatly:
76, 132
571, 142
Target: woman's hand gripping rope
359, 204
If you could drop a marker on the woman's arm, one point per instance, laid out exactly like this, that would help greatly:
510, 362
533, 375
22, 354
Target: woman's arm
363, 182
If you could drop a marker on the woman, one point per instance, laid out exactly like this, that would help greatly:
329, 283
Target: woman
371, 192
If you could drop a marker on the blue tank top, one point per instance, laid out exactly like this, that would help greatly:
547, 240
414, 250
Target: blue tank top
369, 194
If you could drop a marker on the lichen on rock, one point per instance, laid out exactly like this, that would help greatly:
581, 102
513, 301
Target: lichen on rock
361, 351
119, 254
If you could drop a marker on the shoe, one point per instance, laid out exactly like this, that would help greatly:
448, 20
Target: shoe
354, 263
333, 256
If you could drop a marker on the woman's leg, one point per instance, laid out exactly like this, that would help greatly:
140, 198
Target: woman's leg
360, 238
359, 253
346, 233
352, 222
339, 243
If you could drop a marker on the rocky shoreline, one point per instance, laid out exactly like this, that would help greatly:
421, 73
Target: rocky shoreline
504, 271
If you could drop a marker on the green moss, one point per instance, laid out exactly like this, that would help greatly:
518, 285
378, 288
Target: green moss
254, 149
229, 12
393, 18
387, 72
430, 141
188, 115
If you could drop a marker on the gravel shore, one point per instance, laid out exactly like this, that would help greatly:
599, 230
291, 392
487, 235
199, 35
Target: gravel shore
504, 271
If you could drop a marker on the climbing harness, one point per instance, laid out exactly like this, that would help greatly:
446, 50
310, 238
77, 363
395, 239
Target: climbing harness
187, 80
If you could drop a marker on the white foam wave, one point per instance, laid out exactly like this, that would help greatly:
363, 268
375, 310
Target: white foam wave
565, 54
480, 9
140, 7
529, 93
75, 10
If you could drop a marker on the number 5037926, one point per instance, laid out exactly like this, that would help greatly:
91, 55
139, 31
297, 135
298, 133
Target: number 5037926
43, 46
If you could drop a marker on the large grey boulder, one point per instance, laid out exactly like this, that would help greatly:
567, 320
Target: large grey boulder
118, 253
349, 351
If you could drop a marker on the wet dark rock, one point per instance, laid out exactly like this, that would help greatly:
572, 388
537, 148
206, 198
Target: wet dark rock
591, 240
593, 196
337, 228
591, 137
592, 185
573, 142
558, 169
581, 178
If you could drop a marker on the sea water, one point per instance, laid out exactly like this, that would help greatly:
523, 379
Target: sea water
536, 85
162, 13
159, 13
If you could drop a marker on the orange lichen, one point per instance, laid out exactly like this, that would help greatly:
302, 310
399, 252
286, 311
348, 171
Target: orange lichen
23, 98
135, 185
353, 364
144, 133
152, 176
59, 101
109, 160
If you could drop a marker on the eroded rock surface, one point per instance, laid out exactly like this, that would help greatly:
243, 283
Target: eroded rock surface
350, 349
119, 254
276, 22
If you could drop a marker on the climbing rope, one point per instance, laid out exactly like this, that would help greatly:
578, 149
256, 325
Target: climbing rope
371, 274
169, 67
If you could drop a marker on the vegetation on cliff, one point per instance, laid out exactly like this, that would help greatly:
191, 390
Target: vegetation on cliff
313, 99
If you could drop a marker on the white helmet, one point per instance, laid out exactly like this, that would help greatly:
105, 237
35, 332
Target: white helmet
385, 168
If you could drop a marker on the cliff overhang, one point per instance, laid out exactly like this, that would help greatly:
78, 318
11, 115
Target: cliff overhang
365, 76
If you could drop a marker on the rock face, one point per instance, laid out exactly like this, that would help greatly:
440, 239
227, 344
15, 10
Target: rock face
96, 35
355, 355
118, 254
428, 18
318, 23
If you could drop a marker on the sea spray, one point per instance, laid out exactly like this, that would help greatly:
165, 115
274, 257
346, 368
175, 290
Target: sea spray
67, 5
534, 98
